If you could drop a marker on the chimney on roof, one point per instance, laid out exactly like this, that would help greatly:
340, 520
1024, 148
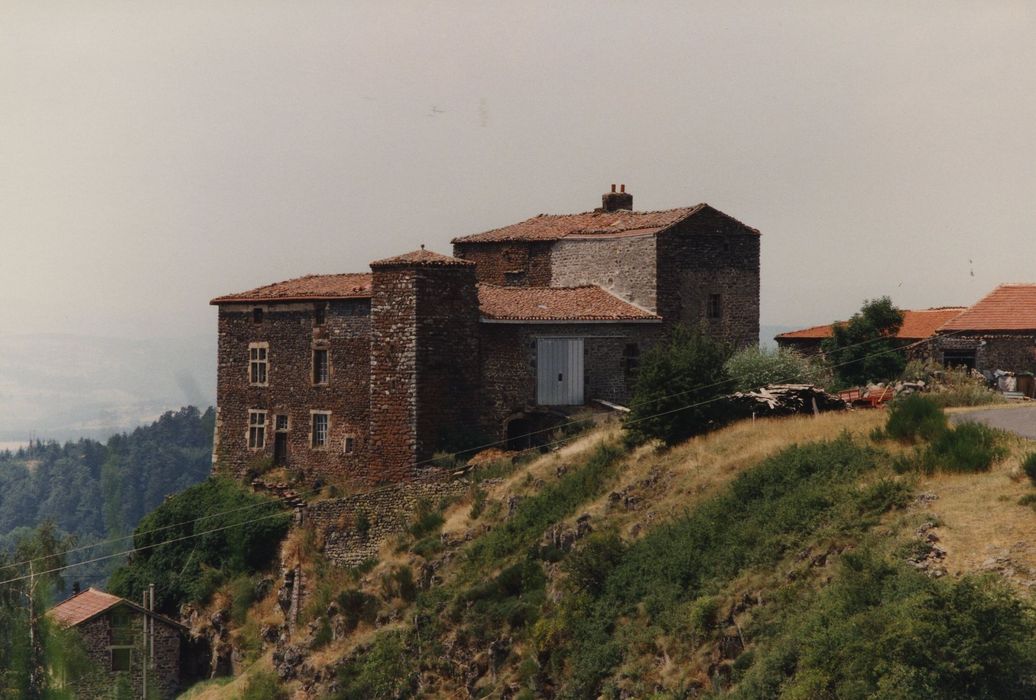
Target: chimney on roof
613, 201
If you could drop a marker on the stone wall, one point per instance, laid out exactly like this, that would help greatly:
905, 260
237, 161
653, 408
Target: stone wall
509, 364
528, 262
387, 511
708, 254
1012, 352
163, 676
291, 332
623, 265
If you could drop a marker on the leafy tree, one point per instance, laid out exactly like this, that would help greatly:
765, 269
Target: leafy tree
865, 347
677, 388
754, 367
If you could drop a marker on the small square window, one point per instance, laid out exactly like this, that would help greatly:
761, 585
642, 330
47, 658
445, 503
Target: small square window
121, 658
257, 315
714, 308
321, 425
282, 423
350, 445
256, 430
321, 366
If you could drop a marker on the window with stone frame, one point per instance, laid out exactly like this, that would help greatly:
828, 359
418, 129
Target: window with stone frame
714, 308
631, 361
121, 639
256, 430
321, 365
349, 444
321, 429
258, 364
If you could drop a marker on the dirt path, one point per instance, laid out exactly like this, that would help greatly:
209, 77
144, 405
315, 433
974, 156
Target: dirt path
1020, 420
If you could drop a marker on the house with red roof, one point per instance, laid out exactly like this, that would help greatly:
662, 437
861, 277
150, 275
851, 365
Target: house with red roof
997, 333
126, 643
919, 325
367, 375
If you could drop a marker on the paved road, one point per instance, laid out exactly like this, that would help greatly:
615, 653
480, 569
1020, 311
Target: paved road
1020, 420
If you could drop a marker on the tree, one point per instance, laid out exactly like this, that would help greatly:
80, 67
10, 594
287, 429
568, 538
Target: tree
678, 387
865, 348
754, 367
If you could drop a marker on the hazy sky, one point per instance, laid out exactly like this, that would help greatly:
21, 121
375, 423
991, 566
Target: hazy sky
154, 155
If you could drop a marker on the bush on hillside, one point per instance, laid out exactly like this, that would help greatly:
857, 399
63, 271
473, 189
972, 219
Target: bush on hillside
969, 447
1029, 467
958, 387
678, 387
263, 685
754, 367
199, 538
914, 418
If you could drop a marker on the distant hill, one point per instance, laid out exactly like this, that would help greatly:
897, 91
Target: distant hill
62, 387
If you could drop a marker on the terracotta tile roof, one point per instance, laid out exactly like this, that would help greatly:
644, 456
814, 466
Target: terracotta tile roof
589, 303
80, 608
551, 227
308, 288
1009, 307
91, 603
917, 325
422, 258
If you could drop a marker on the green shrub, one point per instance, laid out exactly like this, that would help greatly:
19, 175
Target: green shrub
363, 523
754, 367
678, 389
356, 607
427, 521
242, 596
399, 583
1029, 467
957, 387
969, 447
589, 565
1028, 499
384, 672
478, 503
884, 495
427, 547
865, 347
263, 685
914, 418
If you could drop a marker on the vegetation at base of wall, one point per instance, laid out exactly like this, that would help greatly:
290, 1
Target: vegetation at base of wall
93, 490
754, 367
959, 387
882, 629
263, 685
678, 387
198, 539
865, 347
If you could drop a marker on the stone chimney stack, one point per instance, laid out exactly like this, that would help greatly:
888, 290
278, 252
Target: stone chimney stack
613, 201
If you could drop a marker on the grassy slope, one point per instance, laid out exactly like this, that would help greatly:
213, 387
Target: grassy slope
465, 611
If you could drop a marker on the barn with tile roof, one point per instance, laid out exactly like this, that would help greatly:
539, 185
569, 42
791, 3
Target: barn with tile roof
370, 374
997, 333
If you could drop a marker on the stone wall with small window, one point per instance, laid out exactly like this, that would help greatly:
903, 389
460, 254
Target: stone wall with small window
110, 648
315, 358
510, 263
1011, 352
625, 266
708, 276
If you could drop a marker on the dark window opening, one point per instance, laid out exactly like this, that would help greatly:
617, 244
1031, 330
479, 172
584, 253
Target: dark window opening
321, 371
713, 309
257, 315
514, 278
282, 423
631, 360
121, 659
350, 444
320, 314
959, 358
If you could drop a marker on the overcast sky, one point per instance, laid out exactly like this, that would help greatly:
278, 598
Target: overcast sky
155, 155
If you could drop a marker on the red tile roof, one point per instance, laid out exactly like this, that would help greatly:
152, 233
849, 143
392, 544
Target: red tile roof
551, 227
308, 288
588, 303
1009, 307
91, 603
917, 325
422, 258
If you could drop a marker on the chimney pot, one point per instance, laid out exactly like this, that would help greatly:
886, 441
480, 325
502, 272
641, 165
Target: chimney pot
613, 201
622, 188
613, 188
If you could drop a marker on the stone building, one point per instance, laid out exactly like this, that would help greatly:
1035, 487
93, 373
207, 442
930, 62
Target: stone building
368, 375
997, 333
918, 325
126, 644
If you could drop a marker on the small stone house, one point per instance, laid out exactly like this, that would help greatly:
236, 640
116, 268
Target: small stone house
918, 325
122, 639
997, 333
367, 375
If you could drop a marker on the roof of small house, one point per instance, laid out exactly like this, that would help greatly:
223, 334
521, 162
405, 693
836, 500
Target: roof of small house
422, 258
918, 324
1009, 307
546, 304
352, 285
552, 227
91, 603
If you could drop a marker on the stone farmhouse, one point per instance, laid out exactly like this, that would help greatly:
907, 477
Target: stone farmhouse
997, 333
367, 375
122, 639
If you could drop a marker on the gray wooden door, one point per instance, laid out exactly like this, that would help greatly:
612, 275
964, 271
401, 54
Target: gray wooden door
559, 369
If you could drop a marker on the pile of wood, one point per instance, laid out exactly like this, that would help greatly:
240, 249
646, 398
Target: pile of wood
785, 400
